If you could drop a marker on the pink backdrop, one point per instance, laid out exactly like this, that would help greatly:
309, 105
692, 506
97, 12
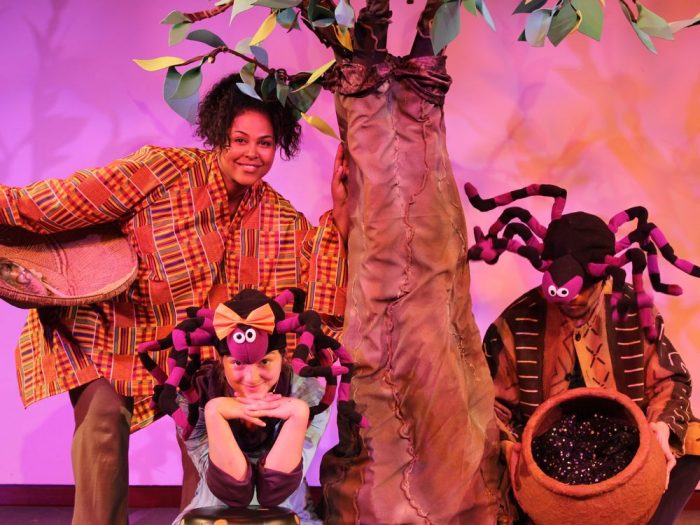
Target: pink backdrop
614, 124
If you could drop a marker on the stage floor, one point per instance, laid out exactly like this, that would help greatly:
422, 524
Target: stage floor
153, 516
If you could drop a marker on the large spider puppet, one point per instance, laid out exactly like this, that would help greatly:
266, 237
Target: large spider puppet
578, 249
246, 328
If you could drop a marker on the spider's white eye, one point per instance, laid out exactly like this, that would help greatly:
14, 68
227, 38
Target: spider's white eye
563, 292
250, 335
552, 290
239, 338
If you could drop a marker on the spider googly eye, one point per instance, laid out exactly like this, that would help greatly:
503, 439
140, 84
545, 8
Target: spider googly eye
239, 338
563, 292
250, 335
552, 290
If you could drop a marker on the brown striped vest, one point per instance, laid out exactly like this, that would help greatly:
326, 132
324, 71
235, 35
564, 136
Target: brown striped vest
526, 318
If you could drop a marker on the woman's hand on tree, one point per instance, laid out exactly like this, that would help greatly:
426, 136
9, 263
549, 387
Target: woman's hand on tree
339, 192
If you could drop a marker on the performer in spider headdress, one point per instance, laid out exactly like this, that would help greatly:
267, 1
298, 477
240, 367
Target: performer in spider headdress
250, 421
584, 326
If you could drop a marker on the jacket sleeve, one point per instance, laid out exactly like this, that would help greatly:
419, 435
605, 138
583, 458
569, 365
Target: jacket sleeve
667, 387
324, 269
86, 197
499, 350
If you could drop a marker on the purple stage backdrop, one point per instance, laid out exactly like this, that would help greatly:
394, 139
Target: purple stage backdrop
614, 124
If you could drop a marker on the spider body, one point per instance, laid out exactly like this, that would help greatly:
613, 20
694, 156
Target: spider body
579, 249
246, 328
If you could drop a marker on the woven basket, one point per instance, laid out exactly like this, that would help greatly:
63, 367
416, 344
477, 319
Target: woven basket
64, 269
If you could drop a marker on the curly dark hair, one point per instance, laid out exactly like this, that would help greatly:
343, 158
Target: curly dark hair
224, 102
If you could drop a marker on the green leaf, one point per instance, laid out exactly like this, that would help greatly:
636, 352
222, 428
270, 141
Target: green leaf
240, 6
260, 54
268, 87
318, 12
316, 74
244, 47
470, 5
245, 88
277, 4
564, 22
287, 17
175, 17
265, 29
206, 37
528, 6
445, 27
154, 64
320, 125
185, 107
247, 73
537, 27
591, 17
178, 32
189, 83
652, 24
282, 92
677, 25
646, 39
302, 100
481, 6
323, 22
344, 14
521, 37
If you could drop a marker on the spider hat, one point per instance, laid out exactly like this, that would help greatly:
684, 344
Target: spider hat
246, 326
578, 249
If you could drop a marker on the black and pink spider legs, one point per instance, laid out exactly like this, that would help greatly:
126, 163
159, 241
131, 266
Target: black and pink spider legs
183, 361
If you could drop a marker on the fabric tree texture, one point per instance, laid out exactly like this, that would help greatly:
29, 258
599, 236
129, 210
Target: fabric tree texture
421, 379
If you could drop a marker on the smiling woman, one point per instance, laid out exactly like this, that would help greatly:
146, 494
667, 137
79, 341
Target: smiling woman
250, 153
204, 225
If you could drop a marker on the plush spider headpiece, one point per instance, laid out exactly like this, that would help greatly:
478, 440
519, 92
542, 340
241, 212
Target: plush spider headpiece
571, 242
246, 326
578, 249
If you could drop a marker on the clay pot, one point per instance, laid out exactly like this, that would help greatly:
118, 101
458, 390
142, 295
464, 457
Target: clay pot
629, 497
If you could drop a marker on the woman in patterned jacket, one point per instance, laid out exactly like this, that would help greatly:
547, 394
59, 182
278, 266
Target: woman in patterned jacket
204, 225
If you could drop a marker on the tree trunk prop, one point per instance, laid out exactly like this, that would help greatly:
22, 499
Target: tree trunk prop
421, 379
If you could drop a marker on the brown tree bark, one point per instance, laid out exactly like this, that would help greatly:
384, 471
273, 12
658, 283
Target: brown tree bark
421, 379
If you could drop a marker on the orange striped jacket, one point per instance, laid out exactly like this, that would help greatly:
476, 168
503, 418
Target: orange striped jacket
171, 204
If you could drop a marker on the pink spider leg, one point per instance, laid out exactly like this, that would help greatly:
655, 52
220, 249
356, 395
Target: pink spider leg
490, 248
619, 302
345, 406
308, 324
325, 358
525, 234
654, 272
524, 216
639, 213
296, 296
545, 190
658, 238
645, 302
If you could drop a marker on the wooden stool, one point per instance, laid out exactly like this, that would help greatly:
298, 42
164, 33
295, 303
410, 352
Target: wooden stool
248, 515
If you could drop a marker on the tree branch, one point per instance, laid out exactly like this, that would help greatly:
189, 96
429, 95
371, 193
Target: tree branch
209, 13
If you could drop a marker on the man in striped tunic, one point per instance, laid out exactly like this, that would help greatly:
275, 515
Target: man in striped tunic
538, 348
204, 225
